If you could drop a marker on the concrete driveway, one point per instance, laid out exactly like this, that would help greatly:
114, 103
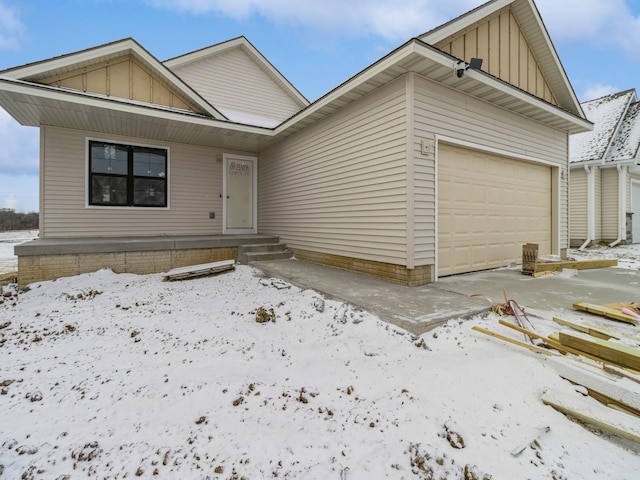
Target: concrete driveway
419, 309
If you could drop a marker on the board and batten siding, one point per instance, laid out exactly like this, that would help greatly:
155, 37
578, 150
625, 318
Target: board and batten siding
499, 41
578, 204
440, 110
232, 80
195, 185
124, 78
339, 187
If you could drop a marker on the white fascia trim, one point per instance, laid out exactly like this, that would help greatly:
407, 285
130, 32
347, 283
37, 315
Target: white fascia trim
191, 57
123, 47
80, 98
602, 166
349, 85
65, 60
464, 21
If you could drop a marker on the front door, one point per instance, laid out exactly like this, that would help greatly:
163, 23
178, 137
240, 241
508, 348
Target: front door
240, 194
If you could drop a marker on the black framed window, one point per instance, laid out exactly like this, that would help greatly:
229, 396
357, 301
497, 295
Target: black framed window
127, 175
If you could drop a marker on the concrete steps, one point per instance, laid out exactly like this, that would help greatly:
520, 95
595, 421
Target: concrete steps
263, 251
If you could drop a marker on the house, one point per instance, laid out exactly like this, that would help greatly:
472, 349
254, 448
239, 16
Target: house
424, 164
605, 173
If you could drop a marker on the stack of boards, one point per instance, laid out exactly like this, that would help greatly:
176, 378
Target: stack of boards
601, 361
199, 270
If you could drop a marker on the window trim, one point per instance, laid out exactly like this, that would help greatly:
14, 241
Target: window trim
88, 174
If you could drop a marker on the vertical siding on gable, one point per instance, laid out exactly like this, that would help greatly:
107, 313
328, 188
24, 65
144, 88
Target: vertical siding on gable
443, 111
339, 186
195, 184
609, 204
500, 43
578, 204
123, 78
234, 81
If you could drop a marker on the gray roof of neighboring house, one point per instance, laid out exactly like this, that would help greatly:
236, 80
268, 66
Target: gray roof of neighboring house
614, 130
626, 143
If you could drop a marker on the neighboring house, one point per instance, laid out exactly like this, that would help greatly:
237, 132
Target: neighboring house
605, 173
417, 167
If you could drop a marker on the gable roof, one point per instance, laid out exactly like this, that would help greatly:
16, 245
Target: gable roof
33, 103
537, 37
436, 65
247, 47
608, 115
37, 71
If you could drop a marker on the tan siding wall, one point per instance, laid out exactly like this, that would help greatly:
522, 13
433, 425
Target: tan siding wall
123, 78
609, 212
598, 206
195, 184
500, 43
578, 202
232, 80
339, 187
441, 111
630, 176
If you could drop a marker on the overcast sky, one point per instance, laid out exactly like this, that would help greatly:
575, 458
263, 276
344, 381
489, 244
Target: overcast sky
315, 44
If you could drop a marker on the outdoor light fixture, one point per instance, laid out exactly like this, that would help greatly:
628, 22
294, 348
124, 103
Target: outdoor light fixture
460, 67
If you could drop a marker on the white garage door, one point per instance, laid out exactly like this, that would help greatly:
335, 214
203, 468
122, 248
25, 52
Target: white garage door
488, 207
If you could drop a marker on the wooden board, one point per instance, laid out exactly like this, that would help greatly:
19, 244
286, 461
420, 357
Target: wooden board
617, 353
585, 410
574, 264
199, 270
605, 312
620, 391
593, 330
528, 346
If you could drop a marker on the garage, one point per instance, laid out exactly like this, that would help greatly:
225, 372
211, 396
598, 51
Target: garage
488, 207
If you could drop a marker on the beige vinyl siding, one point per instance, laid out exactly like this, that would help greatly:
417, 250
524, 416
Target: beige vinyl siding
609, 213
597, 205
443, 111
195, 184
630, 177
499, 41
232, 80
578, 203
339, 187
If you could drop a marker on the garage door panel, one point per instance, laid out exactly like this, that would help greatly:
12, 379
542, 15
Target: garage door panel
488, 206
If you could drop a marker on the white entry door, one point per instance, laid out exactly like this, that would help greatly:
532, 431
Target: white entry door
240, 194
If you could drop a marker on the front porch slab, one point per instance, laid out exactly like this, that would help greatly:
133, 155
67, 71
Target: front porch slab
50, 258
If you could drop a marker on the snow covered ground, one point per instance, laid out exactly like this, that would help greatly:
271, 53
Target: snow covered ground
236, 376
8, 240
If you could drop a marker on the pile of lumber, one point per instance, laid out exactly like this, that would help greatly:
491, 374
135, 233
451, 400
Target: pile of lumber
535, 266
602, 360
199, 270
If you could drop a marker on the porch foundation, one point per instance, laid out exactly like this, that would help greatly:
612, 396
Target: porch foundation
394, 273
48, 259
